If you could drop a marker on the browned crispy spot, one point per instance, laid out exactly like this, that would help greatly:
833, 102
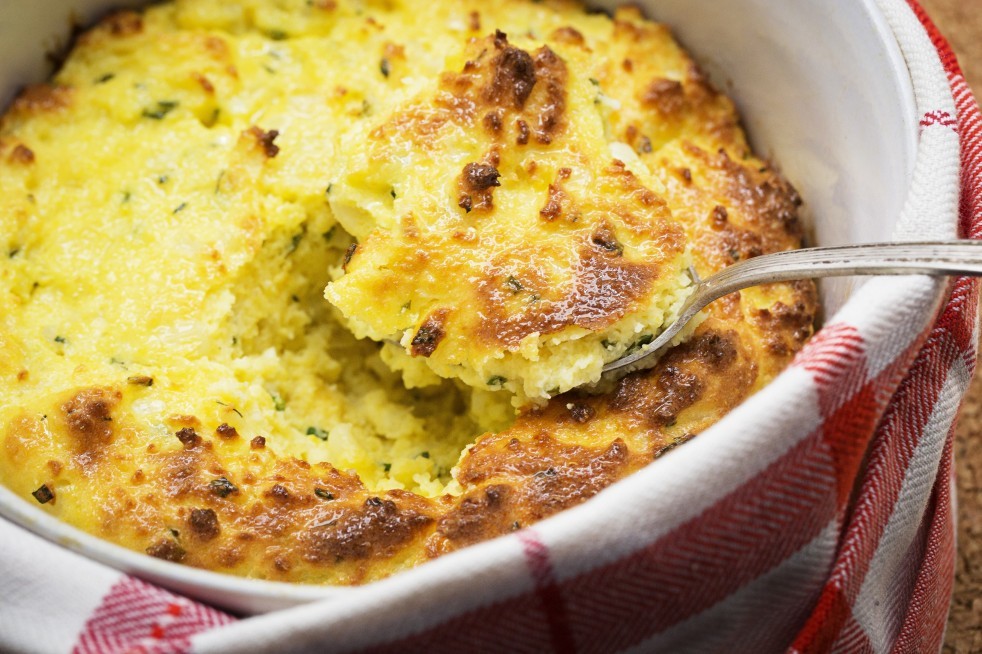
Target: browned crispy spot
501, 79
429, 334
265, 140
660, 395
188, 437
523, 132
477, 515
168, 550
606, 286
22, 154
476, 184
557, 198
551, 71
376, 529
606, 239
513, 75
766, 201
204, 83
226, 431
581, 412
492, 122
204, 524
123, 23
568, 35
529, 480
88, 416
279, 493
258, 443
39, 98
666, 96
474, 21
787, 327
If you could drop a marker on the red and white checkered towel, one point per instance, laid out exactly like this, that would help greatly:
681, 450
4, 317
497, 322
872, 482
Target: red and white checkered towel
828, 528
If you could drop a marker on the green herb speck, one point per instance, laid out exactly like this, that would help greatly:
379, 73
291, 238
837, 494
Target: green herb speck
387, 467
61, 339
222, 487
497, 380
323, 494
318, 432
181, 207
278, 402
514, 284
160, 111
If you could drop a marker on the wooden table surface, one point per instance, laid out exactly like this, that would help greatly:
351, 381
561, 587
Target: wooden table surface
961, 22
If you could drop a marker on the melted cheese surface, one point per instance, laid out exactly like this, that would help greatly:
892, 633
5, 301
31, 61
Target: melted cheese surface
503, 194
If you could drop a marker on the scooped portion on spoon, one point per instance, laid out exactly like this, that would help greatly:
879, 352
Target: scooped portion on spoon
503, 237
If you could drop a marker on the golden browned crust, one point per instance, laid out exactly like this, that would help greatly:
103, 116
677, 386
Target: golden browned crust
210, 492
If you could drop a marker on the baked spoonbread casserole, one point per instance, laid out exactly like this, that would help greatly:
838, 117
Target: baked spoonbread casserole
304, 290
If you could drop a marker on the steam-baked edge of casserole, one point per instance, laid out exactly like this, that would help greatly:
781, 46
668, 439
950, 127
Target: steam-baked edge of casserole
173, 379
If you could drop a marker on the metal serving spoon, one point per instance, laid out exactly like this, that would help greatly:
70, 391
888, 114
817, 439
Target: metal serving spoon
955, 257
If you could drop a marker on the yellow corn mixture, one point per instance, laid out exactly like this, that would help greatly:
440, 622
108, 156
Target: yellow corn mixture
299, 289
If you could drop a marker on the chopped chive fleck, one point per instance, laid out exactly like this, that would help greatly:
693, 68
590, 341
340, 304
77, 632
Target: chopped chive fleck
328, 191
181, 207
387, 466
425, 454
161, 110
60, 339
277, 35
497, 380
162, 179
116, 362
126, 196
514, 284
222, 487
13, 253
384, 67
595, 81
318, 432
43, 494
105, 78
140, 380
295, 241
407, 306
392, 192
229, 406
323, 494
278, 402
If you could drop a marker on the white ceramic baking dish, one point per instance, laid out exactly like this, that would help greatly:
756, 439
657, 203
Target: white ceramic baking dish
823, 91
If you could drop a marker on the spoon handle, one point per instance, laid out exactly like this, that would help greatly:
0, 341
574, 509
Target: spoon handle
928, 257
954, 257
